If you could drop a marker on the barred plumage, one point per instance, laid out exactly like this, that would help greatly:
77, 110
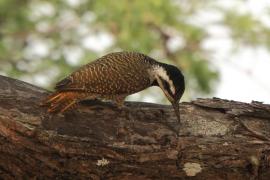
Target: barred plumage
115, 76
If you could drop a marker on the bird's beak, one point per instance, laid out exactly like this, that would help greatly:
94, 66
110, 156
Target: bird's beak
176, 110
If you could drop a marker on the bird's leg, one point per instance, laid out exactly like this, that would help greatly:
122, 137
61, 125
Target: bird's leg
119, 102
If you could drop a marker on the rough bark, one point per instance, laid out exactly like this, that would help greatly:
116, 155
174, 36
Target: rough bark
219, 139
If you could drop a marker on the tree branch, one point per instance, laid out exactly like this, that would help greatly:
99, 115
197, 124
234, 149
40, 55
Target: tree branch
100, 142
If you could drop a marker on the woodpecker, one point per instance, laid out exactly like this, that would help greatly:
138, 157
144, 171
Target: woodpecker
114, 77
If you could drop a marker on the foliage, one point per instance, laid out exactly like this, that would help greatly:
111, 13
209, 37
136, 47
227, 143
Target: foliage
42, 41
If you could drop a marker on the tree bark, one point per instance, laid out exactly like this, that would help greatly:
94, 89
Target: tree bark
218, 139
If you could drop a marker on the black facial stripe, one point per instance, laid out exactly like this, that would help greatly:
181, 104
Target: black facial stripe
176, 77
166, 86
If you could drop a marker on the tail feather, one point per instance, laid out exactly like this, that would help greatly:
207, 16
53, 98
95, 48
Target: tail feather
59, 102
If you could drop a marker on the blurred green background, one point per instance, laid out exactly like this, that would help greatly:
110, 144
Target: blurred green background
43, 41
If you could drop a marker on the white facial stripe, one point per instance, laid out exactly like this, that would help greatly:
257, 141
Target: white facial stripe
160, 71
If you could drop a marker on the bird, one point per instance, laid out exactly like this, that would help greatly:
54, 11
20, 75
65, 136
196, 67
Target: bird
114, 77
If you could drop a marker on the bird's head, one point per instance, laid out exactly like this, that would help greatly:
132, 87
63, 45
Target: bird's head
170, 79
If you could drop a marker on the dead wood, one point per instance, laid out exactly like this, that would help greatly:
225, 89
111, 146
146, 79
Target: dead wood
219, 139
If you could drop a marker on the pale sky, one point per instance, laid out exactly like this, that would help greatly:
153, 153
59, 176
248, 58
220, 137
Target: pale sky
244, 74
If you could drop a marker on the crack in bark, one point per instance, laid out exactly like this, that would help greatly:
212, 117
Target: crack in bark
136, 142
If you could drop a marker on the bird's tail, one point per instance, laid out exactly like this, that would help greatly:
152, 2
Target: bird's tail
59, 102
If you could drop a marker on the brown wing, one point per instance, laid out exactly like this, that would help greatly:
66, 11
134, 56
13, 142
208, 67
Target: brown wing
115, 73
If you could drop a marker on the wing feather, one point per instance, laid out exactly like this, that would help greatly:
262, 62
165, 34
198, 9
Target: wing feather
115, 73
